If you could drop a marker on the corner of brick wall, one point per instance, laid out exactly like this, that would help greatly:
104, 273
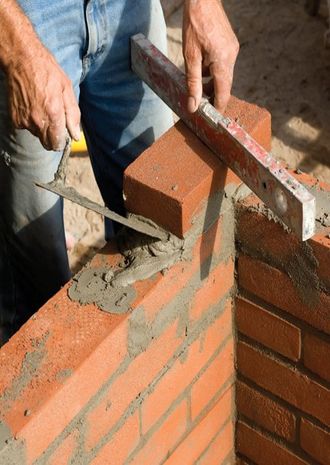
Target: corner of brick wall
283, 347
154, 385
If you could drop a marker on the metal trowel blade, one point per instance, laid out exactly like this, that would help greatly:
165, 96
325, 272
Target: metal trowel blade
133, 222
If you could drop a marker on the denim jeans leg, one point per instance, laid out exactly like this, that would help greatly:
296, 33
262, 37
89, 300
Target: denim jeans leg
33, 258
121, 115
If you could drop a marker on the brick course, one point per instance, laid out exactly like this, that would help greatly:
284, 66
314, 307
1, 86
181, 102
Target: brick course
282, 316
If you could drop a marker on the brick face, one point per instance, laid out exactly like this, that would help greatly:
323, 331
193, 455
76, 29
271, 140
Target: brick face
284, 381
174, 195
213, 379
121, 444
182, 373
271, 241
317, 355
268, 329
265, 412
220, 448
263, 450
268, 283
139, 374
283, 345
315, 441
201, 436
162, 442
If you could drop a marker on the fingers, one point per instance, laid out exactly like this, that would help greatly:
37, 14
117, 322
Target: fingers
193, 63
222, 81
72, 113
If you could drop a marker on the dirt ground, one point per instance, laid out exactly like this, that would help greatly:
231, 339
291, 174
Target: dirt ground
283, 66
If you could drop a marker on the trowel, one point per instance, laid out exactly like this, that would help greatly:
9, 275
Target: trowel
257, 168
59, 187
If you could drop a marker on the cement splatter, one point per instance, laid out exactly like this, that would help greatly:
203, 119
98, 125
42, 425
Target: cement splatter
139, 333
13, 453
30, 366
111, 288
92, 286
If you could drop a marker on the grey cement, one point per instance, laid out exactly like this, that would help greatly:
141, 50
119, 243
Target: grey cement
13, 453
302, 265
111, 288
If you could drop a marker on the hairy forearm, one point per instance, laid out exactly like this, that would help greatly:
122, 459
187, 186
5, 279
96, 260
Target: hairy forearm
17, 36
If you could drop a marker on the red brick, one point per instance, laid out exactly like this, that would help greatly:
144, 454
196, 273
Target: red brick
317, 355
182, 373
263, 450
121, 444
212, 380
140, 373
210, 244
284, 381
220, 447
216, 285
61, 351
197, 174
76, 340
64, 452
265, 412
277, 288
200, 437
315, 441
268, 329
174, 195
45, 395
163, 441
261, 236
321, 248
255, 120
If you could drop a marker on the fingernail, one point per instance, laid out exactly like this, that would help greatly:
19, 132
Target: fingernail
192, 106
76, 134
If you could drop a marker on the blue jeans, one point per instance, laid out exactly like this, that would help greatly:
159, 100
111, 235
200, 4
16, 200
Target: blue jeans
120, 115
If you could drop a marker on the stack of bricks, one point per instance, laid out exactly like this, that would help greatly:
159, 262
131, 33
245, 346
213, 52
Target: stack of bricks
283, 350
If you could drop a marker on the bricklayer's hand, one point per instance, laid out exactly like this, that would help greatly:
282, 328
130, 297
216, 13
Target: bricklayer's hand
210, 47
41, 98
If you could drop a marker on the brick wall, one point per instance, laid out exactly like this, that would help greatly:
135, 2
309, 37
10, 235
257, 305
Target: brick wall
156, 384
283, 349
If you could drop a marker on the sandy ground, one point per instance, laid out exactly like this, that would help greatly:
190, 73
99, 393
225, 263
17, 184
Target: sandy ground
282, 66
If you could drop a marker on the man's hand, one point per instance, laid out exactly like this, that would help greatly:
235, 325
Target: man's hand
41, 97
210, 48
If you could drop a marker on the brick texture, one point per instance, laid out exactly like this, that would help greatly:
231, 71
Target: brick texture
315, 441
283, 340
262, 449
201, 436
185, 369
268, 329
175, 195
284, 381
317, 355
268, 283
163, 442
265, 412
